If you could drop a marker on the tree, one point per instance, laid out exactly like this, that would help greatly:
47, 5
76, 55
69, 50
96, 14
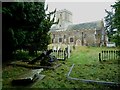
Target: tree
113, 23
109, 22
11, 26
25, 24
116, 22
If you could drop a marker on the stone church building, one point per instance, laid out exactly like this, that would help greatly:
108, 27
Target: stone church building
82, 34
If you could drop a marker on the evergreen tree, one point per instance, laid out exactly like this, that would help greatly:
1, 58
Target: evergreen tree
113, 23
25, 24
116, 22
108, 26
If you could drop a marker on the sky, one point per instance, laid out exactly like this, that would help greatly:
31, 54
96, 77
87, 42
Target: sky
82, 10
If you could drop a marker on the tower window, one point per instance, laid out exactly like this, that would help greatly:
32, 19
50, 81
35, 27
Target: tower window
71, 39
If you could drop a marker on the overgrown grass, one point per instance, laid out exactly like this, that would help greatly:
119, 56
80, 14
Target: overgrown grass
98, 72
87, 55
87, 66
11, 72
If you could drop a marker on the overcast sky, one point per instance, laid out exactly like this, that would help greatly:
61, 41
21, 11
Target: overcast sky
82, 11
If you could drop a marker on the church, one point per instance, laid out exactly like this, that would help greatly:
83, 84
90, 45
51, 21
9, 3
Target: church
81, 34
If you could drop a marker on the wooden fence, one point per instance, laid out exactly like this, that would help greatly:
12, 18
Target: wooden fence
109, 55
60, 54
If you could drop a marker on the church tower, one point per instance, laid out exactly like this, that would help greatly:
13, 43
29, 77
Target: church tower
65, 18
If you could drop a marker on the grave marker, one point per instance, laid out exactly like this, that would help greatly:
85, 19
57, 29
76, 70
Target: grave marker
54, 48
29, 78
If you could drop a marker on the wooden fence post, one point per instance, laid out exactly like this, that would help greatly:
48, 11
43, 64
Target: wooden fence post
109, 55
119, 54
104, 54
64, 56
114, 54
100, 57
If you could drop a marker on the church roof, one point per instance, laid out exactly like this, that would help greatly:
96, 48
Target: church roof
89, 25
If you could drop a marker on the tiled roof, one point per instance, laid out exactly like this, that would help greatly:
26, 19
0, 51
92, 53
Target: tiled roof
90, 25
82, 26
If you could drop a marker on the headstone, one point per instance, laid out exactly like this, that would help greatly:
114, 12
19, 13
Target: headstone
111, 44
54, 48
29, 77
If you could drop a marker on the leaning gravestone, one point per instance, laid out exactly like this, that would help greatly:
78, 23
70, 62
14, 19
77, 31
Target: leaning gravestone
29, 78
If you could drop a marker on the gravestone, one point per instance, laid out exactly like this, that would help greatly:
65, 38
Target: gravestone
28, 78
54, 48
67, 49
42, 56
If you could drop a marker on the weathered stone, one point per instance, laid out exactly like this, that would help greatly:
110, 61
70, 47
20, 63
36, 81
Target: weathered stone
28, 78
81, 34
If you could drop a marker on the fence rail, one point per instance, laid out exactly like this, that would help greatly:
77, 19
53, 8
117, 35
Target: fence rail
109, 55
60, 54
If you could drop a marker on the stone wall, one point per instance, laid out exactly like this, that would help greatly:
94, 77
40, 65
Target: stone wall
83, 37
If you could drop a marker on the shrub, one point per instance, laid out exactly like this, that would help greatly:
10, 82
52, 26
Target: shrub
22, 55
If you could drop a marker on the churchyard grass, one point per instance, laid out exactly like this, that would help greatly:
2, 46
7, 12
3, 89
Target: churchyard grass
87, 55
11, 72
87, 66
